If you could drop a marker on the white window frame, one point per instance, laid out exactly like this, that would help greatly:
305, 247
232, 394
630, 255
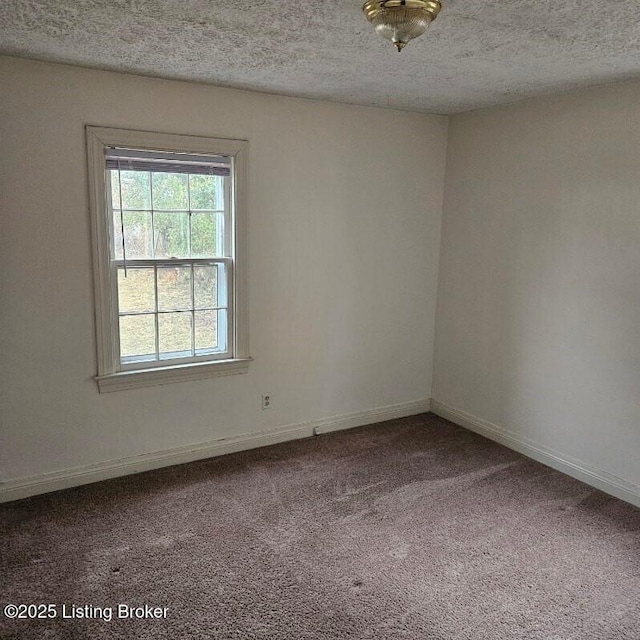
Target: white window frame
112, 376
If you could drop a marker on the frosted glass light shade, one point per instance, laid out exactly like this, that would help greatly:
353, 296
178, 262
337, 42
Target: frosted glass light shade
400, 21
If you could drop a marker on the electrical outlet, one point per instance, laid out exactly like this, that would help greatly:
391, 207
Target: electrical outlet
266, 401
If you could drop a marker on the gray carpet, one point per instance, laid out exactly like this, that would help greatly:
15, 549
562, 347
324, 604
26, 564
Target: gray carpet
412, 529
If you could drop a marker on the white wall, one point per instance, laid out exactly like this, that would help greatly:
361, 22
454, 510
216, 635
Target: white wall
345, 207
538, 320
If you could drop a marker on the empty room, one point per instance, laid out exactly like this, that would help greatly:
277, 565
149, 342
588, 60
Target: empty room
319, 320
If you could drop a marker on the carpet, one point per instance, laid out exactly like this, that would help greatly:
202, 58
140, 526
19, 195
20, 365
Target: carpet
409, 529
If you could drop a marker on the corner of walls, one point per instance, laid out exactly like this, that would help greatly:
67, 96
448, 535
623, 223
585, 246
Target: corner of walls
443, 208
577, 469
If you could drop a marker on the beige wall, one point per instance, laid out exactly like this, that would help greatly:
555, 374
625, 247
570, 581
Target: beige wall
345, 207
538, 321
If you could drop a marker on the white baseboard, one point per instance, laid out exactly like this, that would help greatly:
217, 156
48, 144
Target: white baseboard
566, 464
24, 487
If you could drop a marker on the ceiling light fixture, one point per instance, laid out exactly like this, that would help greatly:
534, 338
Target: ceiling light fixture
401, 20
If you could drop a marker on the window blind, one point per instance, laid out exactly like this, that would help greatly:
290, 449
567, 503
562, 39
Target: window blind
138, 160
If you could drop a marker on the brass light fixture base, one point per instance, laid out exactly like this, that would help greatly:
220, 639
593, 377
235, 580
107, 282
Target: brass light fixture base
401, 20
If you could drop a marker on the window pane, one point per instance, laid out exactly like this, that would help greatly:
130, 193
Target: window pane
203, 191
174, 288
205, 287
170, 191
138, 337
171, 234
223, 301
136, 193
222, 330
175, 335
115, 189
136, 290
137, 234
117, 235
205, 229
220, 183
206, 331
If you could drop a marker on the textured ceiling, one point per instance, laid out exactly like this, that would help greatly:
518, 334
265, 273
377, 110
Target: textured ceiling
476, 54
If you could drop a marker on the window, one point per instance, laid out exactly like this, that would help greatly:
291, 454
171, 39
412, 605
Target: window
168, 226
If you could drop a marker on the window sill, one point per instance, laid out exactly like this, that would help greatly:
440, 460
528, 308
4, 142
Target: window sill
166, 375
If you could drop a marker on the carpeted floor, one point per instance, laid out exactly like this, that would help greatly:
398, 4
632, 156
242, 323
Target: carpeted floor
412, 529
